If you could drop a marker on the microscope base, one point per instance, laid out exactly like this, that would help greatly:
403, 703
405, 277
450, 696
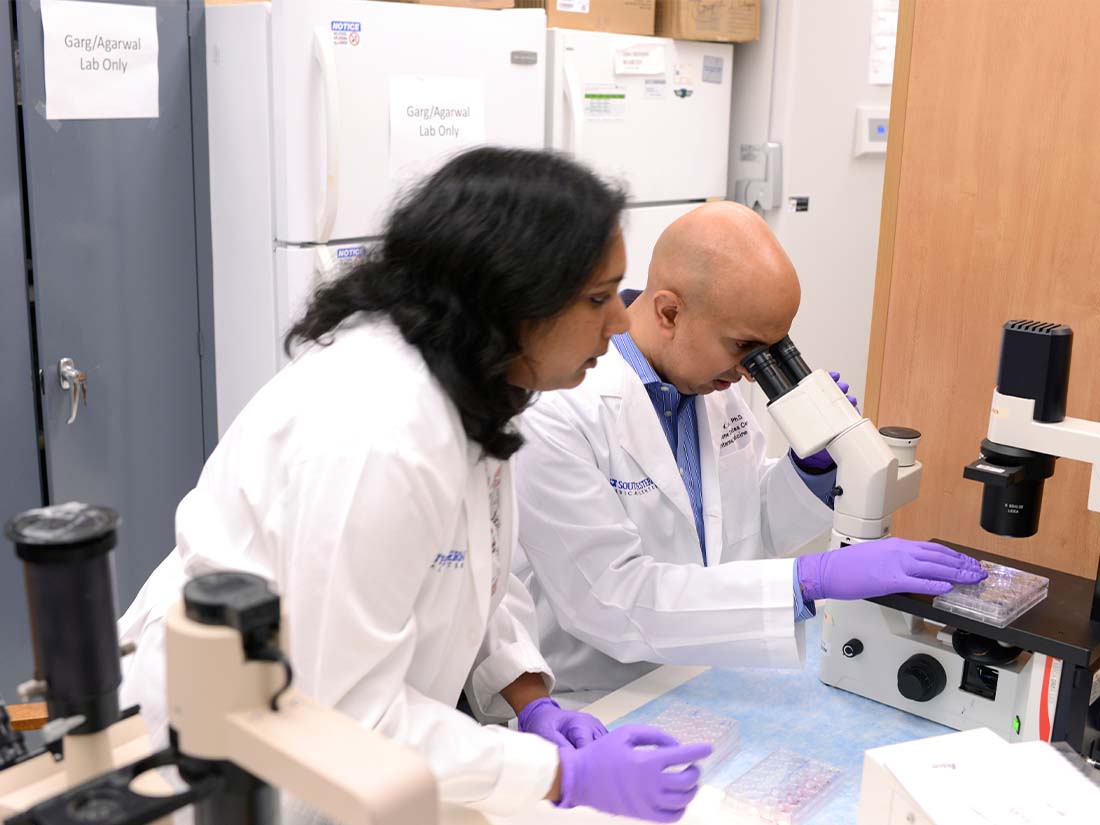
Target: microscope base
1057, 630
25, 785
1008, 698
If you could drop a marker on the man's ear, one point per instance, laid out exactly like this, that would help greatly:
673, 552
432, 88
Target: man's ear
667, 307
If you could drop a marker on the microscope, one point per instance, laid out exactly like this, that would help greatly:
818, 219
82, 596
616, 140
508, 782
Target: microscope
238, 729
1037, 677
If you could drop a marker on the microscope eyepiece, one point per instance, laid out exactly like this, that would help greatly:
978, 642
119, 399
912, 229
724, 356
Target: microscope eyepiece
790, 359
766, 372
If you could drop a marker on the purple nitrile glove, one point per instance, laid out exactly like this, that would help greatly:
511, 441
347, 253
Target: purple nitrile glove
890, 565
565, 728
844, 389
621, 773
821, 461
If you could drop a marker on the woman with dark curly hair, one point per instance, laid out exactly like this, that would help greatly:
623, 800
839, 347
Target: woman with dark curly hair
371, 481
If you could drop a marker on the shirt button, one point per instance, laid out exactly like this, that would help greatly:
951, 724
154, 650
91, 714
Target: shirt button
681, 471
668, 413
664, 388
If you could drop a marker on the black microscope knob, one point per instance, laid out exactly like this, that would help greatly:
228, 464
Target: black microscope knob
921, 678
852, 648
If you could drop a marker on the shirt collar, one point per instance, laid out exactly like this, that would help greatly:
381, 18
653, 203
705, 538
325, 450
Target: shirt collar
633, 356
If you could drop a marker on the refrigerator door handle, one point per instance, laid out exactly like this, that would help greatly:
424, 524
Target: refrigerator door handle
324, 54
574, 100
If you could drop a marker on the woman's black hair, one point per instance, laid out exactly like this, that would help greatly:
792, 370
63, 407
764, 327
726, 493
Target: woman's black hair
494, 239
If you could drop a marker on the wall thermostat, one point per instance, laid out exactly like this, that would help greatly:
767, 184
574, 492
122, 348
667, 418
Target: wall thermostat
872, 129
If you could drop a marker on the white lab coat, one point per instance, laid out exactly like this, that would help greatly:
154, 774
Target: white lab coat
349, 482
609, 547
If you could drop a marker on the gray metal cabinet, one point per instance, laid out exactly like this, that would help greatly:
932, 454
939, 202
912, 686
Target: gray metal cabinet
116, 269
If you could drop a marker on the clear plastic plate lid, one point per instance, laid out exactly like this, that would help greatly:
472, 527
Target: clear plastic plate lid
689, 724
784, 788
1004, 596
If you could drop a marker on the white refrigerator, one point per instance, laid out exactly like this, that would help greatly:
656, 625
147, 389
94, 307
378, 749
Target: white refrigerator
651, 113
321, 112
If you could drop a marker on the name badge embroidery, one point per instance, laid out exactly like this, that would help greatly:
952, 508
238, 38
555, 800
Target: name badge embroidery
733, 431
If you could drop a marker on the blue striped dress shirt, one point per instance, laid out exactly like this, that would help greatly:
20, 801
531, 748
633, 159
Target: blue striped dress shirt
676, 412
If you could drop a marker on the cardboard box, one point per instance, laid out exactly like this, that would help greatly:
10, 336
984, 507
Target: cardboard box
721, 21
620, 16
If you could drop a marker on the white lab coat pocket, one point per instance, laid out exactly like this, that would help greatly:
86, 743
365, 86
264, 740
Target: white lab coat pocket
739, 484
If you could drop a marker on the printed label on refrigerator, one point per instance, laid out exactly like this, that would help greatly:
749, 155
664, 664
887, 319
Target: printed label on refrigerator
642, 59
604, 101
346, 32
655, 87
683, 79
712, 69
576, 6
431, 118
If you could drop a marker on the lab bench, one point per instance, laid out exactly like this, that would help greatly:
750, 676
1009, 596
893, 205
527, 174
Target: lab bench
774, 708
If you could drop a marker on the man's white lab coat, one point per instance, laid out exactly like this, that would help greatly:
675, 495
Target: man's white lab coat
609, 547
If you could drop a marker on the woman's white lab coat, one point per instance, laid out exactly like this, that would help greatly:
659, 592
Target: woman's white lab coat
609, 546
348, 481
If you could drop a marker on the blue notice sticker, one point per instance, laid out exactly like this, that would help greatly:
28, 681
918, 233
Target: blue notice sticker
712, 69
346, 32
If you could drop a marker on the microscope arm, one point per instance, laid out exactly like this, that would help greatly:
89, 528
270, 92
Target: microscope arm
1011, 422
816, 415
332, 764
219, 708
906, 489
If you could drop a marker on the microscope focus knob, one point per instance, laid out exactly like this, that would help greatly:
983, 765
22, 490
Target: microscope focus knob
921, 678
852, 648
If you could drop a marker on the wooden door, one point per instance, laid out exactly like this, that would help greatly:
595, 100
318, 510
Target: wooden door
991, 211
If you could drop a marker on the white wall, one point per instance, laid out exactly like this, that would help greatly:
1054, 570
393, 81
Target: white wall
817, 53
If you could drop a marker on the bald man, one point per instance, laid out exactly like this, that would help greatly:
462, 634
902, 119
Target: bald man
651, 523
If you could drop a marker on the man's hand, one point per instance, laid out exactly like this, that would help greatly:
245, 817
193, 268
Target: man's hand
885, 566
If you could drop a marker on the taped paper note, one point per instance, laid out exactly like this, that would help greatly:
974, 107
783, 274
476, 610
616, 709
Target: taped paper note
431, 119
655, 87
884, 36
100, 60
644, 59
604, 101
576, 6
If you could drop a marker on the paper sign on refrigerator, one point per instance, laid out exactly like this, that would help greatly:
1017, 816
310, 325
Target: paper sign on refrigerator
431, 119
